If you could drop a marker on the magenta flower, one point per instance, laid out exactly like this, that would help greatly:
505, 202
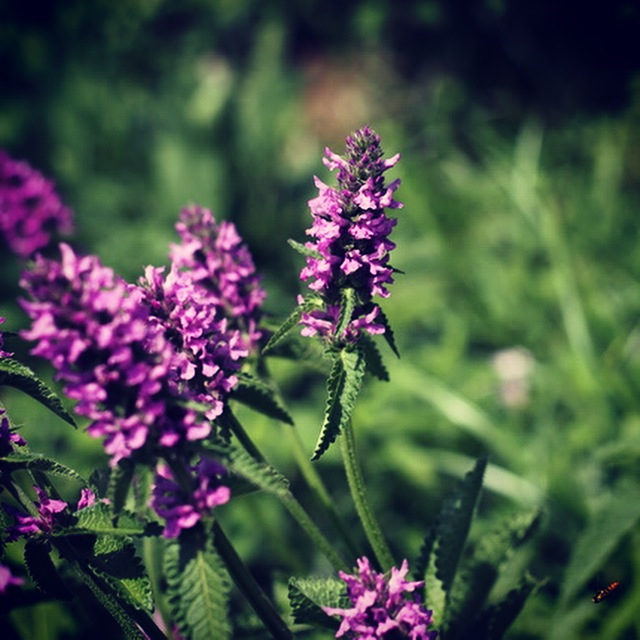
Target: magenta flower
381, 608
7, 579
112, 357
3, 354
30, 209
182, 509
8, 438
351, 244
216, 258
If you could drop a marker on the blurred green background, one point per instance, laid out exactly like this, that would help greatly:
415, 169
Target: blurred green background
517, 316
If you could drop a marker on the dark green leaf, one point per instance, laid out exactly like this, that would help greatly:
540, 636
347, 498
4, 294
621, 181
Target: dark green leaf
501, 615
14, 374
347, 305
119, 484
388, 333
258, 473
375, 365
343, 386
35, 462
198, 587
261, 397
43, 572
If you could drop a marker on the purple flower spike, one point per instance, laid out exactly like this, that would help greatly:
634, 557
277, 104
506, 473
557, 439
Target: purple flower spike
350, 234
181, 509
30, 209
216, 258
112, 356
7, 437
380, 608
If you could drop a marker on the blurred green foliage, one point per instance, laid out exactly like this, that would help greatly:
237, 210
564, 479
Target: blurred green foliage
517, 314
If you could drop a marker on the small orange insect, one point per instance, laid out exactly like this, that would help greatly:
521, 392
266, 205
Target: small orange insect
603, 593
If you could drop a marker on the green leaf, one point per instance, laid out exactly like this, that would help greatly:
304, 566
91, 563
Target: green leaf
454, 523
260, 474
619, 515
310, 303
14, 374
347, 305
388, 332
43, 572
119, 484
99, 519
343, 386
501, 615
375, 365
36, 462
305, 251
261, 397
198, 587
307, 596
116, 562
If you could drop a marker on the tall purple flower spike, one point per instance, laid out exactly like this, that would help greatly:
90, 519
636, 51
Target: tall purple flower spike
350, 246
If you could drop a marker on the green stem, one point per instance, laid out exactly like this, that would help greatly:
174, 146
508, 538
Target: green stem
359, 495
290, 502
249, 587
315, 483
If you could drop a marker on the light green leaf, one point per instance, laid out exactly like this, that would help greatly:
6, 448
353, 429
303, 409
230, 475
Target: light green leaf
305, 251
343, 386
307, 596
309, 304
14, 374
258, 473
347, 305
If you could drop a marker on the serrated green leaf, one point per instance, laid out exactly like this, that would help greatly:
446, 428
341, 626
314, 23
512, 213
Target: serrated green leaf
43, 572
36, 462
307, 596
260, 397
455, 522
309, 304
435, 594
388, 332
119, 484
372, 355
99, 519
260, 474
501, 615
343, 385
116, 562
606, 528
14, 374
305, 251
198, 587
347, 305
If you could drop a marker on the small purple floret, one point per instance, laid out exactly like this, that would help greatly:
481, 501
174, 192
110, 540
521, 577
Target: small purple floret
381, 608
7, 579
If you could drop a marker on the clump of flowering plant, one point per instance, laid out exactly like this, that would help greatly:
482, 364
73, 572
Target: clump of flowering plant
30, 209
156, 369
380, 606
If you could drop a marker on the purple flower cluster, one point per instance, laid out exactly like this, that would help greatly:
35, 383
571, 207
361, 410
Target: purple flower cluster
351, 244
207, 354
30, 209
183, 508
8, 438
380, 609
96, 331
215, 257
3, 354
51, 513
